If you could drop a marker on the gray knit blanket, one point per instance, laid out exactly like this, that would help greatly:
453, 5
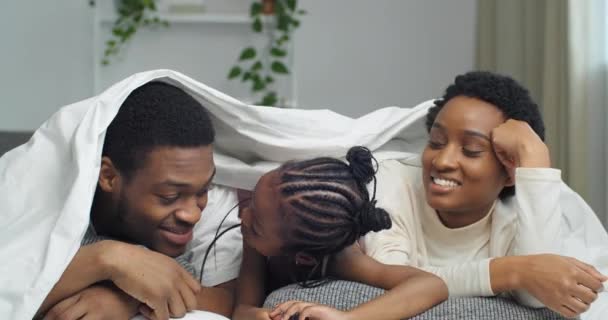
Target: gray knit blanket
345, 295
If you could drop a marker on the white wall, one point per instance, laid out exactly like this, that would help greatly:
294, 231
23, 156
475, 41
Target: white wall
358, 55
45, 58
351, 55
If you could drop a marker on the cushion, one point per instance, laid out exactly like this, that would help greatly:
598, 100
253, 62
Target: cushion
345, 295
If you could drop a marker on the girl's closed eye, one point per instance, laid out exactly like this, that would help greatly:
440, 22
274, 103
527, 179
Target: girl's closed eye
435, 144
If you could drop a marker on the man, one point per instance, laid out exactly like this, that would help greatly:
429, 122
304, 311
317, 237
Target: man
155, 174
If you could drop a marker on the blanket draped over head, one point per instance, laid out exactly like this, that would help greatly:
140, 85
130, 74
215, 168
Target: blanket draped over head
47, 184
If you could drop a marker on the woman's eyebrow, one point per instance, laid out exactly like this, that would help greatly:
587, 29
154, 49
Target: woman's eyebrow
477, 134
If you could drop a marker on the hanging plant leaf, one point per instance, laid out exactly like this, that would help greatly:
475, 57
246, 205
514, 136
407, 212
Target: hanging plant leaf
292, 4
149, 4
258, 85
278, 52
269, 79
279, 9
117, 32
256, 66
270, 99
283, 22
302, 11
234, 72
257, 25
246, 76
256, 9
247, 53
282, 39
279, 67
295, 23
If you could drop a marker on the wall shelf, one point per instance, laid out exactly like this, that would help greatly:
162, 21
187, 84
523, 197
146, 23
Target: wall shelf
194, 18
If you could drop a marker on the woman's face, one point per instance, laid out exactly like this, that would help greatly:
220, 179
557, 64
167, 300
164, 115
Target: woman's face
261, 219
462, 176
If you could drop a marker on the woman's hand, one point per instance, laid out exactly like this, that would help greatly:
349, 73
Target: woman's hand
306, 311
517, 145
563, 284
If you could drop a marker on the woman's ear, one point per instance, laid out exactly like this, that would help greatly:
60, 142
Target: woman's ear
109, 177
305, 259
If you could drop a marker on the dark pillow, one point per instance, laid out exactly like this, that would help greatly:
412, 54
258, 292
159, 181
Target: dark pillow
345, 295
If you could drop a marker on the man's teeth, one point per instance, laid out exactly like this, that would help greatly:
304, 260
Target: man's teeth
445, 183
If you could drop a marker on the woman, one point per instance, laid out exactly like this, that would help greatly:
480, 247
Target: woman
302, 225
485, 202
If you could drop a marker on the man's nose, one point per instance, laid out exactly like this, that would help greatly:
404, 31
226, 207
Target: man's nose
190, 214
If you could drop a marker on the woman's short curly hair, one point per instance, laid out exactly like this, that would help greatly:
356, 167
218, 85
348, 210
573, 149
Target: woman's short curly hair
501, 91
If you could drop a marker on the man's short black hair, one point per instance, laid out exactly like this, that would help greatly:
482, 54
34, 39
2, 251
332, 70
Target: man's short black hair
501, 91
156, 114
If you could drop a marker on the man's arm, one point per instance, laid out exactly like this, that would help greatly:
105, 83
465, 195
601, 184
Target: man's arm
150, 277
89, 266
99, 301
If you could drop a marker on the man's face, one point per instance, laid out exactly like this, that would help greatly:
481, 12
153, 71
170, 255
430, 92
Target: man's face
159, 206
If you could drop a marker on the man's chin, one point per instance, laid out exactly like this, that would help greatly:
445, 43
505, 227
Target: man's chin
171, 251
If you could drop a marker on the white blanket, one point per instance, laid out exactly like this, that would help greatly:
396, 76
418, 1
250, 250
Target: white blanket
47, 185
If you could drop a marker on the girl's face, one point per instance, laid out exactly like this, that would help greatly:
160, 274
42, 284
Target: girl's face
261, 219
462, 176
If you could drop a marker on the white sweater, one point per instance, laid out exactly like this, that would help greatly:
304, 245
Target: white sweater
527, 223
544, 216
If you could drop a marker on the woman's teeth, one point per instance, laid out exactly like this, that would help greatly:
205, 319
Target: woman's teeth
445, 183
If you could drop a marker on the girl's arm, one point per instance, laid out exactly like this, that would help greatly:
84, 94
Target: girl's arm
250, 287
411, 291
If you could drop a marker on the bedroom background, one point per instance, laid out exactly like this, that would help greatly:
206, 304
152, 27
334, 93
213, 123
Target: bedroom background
352, 56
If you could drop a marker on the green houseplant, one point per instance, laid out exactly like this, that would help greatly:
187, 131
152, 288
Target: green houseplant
255, 67
259, 67
132, 15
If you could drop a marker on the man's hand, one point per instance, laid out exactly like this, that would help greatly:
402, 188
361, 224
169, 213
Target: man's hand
99, 302
565, 285
156, 280
304, 310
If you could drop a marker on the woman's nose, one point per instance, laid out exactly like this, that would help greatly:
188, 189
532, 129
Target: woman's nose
446, 158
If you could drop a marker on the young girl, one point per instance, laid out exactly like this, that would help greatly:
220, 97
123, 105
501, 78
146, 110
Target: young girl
302, 225
483, 203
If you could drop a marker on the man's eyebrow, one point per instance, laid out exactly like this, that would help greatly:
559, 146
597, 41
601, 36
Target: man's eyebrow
210, 178
177, 184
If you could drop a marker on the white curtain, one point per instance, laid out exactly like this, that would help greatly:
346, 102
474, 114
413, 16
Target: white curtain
588, 87
557, 49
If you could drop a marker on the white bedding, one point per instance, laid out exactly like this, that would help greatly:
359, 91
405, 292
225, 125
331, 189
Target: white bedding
47, 185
